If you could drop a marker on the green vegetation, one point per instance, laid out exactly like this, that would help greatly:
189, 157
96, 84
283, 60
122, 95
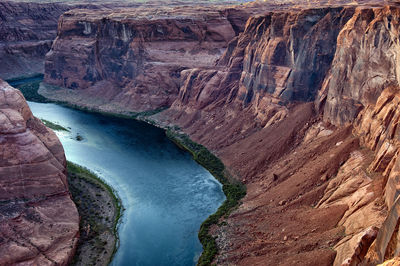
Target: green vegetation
29, 86
30, 92
87, 192
54, 126
88, 175
148, 113
233, 190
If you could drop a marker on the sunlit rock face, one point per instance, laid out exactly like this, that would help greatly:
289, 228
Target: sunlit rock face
39, 222
352, 75
279, 58
366, 61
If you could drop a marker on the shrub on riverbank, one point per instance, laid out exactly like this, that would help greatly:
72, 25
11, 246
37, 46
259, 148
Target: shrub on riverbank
54, 126
234, 191
30, 92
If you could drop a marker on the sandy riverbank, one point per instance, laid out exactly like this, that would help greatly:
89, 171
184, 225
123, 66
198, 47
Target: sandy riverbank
100, 210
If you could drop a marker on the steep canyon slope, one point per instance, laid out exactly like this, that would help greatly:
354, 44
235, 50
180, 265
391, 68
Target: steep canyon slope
131, 59
27, 31
299, 101
38, 222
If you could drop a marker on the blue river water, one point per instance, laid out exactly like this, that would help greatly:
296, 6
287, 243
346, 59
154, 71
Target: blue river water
166, 194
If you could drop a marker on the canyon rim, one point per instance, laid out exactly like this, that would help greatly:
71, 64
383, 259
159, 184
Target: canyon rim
300, 101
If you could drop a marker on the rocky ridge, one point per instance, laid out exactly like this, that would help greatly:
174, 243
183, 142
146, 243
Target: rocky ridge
39, 222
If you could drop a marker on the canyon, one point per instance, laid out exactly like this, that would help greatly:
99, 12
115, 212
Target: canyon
299, 100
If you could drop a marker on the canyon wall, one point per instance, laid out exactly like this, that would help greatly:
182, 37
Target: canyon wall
27, 31
131, 59
39, 223
248, 113
300, 103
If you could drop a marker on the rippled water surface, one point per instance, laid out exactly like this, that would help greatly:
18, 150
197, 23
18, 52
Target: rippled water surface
166, 194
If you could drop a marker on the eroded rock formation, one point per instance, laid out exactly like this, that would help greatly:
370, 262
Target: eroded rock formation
131, 59
352, 76
301, 105
38, 220
27, 31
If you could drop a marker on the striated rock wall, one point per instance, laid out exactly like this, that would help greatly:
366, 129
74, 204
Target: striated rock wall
362, 88
366, 61
39, 222
347, 74
281, 57
131, 59
27, 31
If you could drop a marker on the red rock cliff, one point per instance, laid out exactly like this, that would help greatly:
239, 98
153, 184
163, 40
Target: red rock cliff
27, 31
131, 59
39, 222
292, 158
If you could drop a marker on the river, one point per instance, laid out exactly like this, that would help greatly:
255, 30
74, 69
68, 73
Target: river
166, 194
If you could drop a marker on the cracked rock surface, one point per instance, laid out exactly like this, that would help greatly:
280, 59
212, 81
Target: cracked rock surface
39, 223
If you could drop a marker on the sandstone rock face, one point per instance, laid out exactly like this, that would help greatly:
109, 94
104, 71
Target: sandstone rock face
257, 78
39, 222
27, 31
355, 188
131, 59
287, 55
366, 61
377, 127
279, 57
392, 262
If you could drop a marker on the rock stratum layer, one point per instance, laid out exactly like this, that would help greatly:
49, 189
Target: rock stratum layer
27, 31
38, 221
131, 59
300, 101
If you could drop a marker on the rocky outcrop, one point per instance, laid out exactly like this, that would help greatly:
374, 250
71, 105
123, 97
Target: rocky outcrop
363, 89
281, 57
38, 222
27, 31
